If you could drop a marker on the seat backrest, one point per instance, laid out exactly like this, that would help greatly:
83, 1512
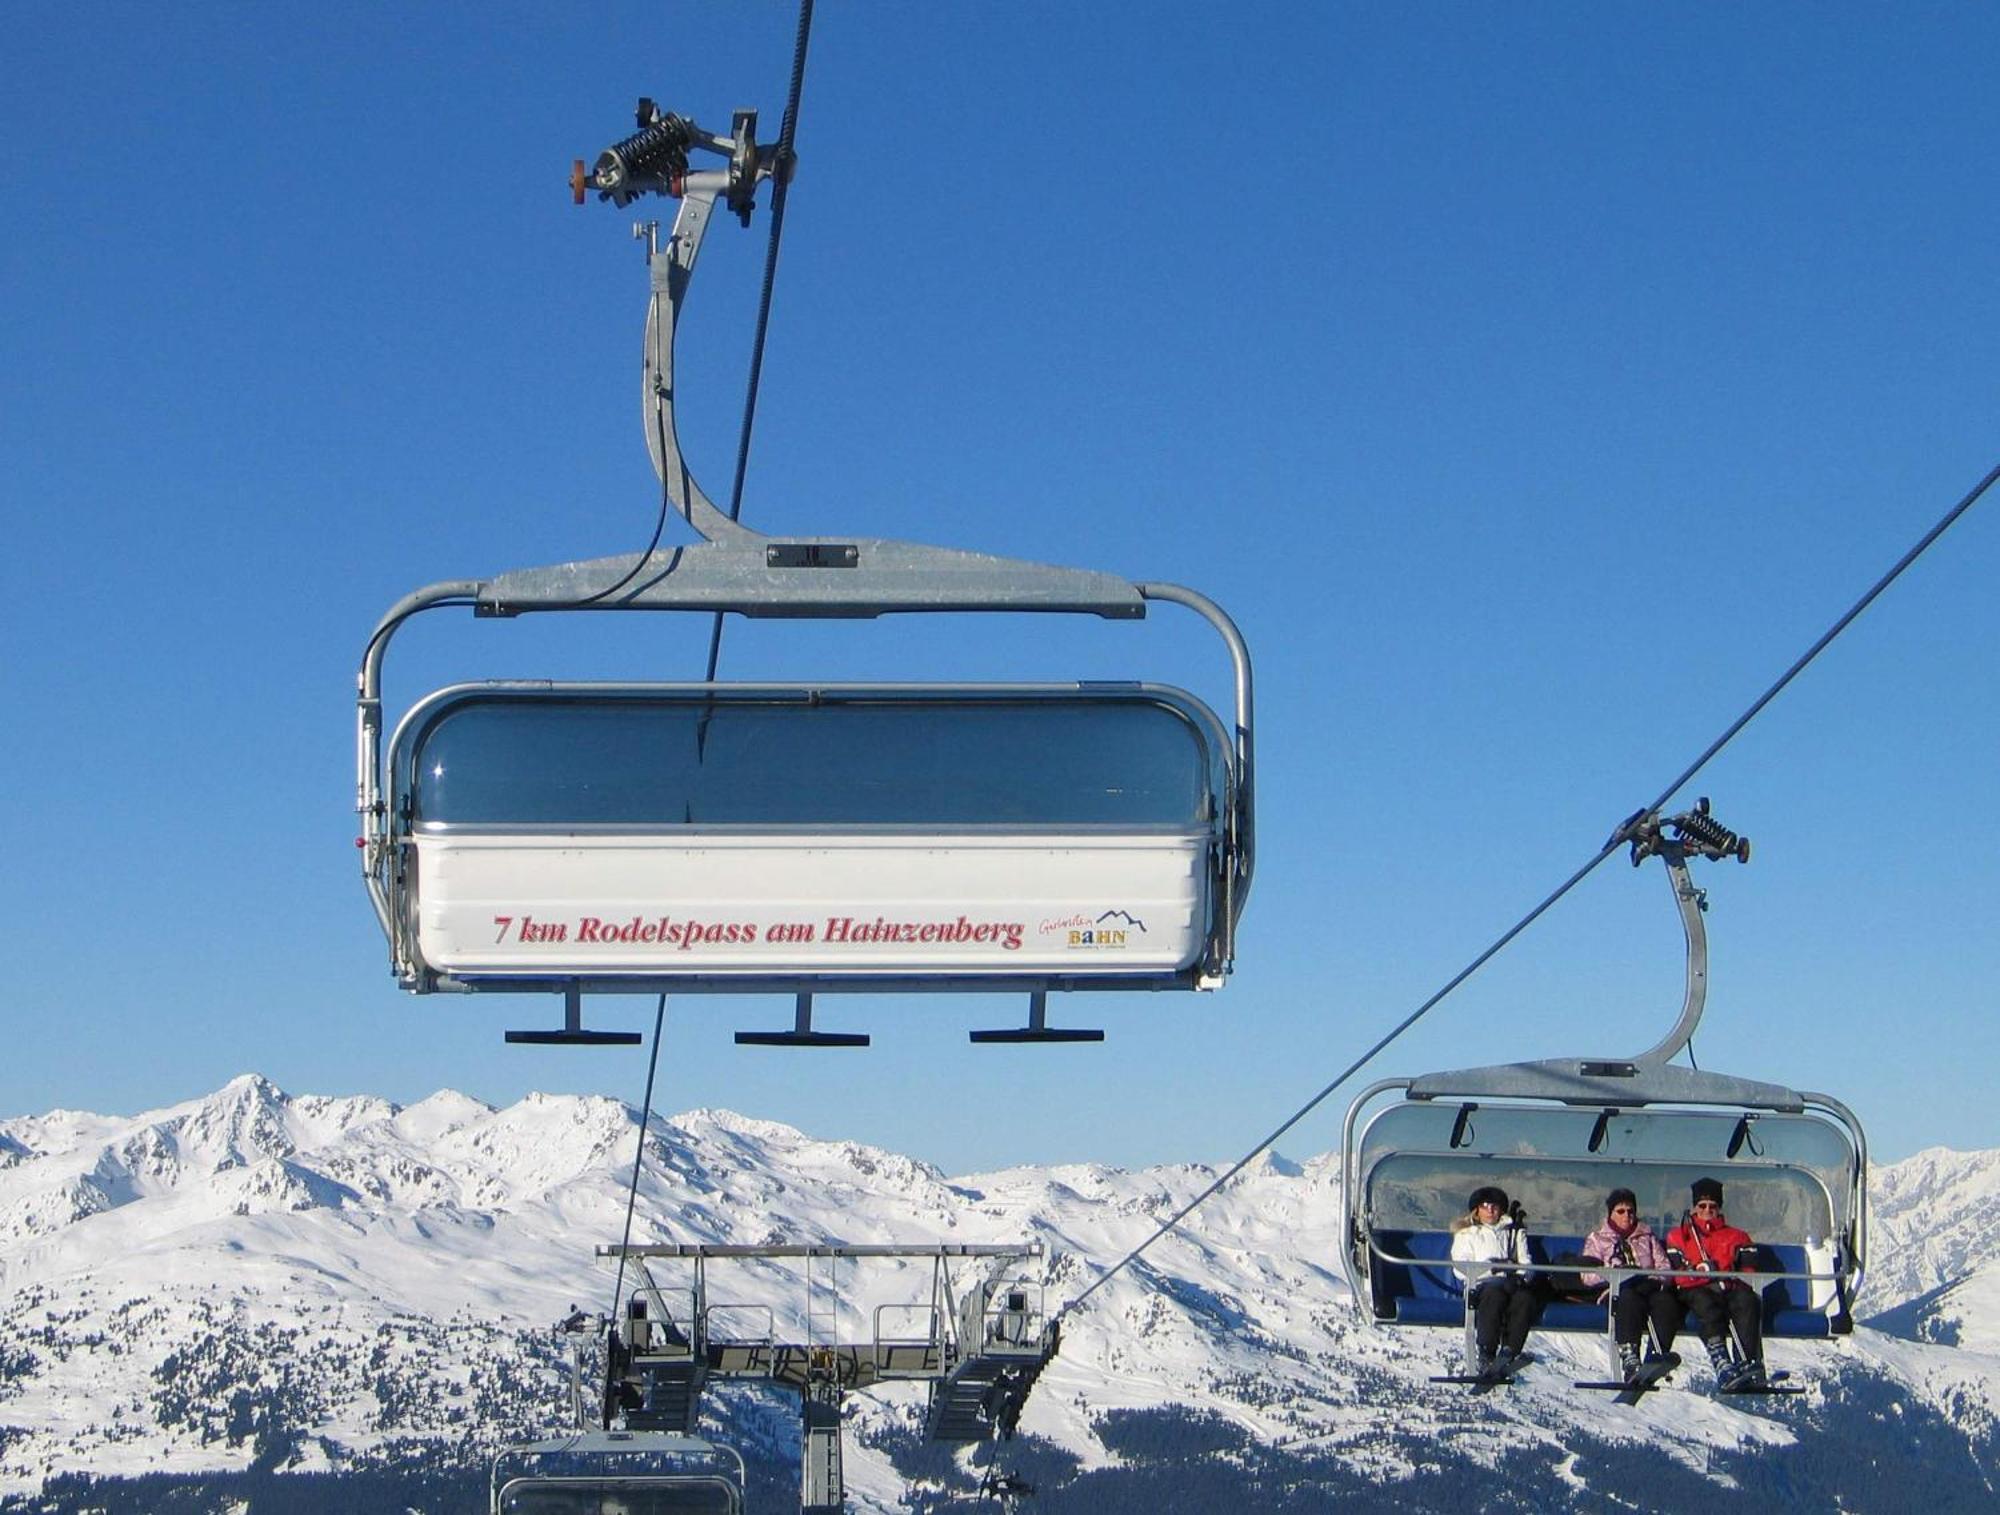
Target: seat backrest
1412, 1282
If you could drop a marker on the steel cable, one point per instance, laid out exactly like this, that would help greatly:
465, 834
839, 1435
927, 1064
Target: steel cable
1708, 754
781, 180
638, 1163
787, 131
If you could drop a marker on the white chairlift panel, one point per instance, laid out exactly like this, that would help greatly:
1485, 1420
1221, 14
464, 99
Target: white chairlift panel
643, 1473
1059, 903
676, 832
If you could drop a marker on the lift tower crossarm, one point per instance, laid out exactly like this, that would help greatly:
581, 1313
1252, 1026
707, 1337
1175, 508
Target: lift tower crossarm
980, 1345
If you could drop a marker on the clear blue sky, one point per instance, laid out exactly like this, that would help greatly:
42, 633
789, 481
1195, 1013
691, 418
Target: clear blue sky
1533, 383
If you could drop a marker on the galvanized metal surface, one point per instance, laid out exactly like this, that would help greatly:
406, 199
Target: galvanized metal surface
737, 575
1582, 1081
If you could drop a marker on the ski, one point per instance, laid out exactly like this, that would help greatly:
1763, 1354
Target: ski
1768, 1383
1651, 1374
1493, 1378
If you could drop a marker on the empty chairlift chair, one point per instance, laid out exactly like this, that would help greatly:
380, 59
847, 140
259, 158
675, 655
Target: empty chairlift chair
583, 838
751, 837
633, 1473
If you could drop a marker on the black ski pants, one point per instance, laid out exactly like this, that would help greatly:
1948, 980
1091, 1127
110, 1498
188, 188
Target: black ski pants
1716, 1310
1643, 1300
1503, 1312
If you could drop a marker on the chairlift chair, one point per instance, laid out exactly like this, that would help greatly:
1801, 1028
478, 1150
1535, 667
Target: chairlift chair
714, 837
1559, 1134
627, 1472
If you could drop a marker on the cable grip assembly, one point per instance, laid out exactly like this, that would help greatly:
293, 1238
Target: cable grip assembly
654, 160
1693, 832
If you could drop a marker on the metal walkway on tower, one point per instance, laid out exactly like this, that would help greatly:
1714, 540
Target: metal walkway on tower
979, 1337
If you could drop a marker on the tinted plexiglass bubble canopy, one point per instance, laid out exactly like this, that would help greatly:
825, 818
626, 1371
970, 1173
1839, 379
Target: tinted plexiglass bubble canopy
1788, 1175
618, 1473
709, 834
651, 758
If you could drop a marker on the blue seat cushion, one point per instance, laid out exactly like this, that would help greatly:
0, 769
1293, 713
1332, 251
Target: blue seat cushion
1427, 1291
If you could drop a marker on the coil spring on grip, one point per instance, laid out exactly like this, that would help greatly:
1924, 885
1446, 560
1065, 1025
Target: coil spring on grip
1709, 834
657, 151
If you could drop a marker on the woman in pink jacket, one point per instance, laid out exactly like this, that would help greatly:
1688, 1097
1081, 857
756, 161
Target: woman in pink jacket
1625, 1241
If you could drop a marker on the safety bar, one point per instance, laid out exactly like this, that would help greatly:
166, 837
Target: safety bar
1483, 1269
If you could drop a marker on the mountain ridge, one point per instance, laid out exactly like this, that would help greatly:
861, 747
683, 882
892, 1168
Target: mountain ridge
325, 1282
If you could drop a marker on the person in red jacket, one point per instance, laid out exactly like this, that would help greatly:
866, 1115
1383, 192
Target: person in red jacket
1706, 1242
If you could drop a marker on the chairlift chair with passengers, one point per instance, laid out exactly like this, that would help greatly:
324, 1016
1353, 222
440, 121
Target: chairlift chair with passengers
578, 838
1559, 1134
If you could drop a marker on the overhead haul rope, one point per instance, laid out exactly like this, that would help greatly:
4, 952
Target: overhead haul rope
781, 180
1618, 839
638, 1158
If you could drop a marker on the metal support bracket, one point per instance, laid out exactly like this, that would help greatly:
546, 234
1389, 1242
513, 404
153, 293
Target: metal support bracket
802, 1033
1038, 1029
572, 1033
1650, 1077
1699, 833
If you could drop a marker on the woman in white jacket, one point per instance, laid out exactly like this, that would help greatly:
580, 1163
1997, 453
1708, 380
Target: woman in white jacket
1490, 1250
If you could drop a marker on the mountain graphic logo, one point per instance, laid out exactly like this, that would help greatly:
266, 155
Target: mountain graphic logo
1111, 931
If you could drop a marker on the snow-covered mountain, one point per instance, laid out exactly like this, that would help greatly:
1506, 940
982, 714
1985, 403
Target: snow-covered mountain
1936, 1245
300, 1283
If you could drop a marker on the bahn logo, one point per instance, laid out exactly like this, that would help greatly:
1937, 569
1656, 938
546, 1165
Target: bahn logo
1109, 932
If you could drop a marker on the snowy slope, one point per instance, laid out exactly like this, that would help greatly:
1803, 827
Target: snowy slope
1936, 1245
1935, 1218
313, 1282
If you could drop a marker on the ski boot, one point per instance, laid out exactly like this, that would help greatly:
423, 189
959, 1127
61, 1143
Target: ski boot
1747, 1376
1720, 1358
